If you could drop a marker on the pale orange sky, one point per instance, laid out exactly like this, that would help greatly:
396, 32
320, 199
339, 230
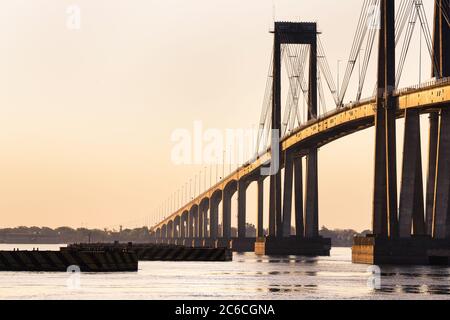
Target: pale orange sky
86, 116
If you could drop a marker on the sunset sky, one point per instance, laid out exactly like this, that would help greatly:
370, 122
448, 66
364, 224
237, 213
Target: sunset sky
86, 116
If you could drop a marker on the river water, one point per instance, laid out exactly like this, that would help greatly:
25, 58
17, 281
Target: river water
246, 277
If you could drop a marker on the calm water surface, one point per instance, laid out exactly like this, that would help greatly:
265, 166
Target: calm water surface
247, 277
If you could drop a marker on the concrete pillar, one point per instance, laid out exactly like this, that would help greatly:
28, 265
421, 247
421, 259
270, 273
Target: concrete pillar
201, 216
260, 208
190, 224
431, 175
287, 196
175, 228
312, 189
179, 228
278, 208
275, 221
441, 223
391, 170
196, 222
411, 193
164, 231
379, 216
214, 217
272, 220
312, 198
205, 222
385, 216
242, 201
390, 106
226, 212
170, 230
298, 199
183, 226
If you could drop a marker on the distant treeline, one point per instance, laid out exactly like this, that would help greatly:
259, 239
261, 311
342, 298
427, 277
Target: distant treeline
44, 235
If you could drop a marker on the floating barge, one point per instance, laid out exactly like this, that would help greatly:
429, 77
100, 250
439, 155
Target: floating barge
69, 259
162, 252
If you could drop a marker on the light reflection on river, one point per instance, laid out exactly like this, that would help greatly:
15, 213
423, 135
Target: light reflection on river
247, 277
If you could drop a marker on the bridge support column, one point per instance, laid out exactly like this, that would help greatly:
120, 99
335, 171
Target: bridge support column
411, 194
226, 212
214, 217
385, 220
312, 189
196, 222
275, 221
176, 227
190, 226
260, 208
205, 222
298, 188
287, 197
312, 201
164, 232
200, 221
379, 217
431, 176
441, 227
242, 202
182, 226
242, 243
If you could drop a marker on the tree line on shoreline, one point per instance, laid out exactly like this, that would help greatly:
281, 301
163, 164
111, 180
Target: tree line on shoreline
62, 235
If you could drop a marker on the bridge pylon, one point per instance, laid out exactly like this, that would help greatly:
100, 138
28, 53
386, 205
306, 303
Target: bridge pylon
307, 239
415, 233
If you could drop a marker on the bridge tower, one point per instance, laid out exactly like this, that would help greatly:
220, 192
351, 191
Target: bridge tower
306, 240
415, 234
438, 186
296, 33
384, 220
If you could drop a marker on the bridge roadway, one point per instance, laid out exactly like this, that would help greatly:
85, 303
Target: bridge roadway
352, 117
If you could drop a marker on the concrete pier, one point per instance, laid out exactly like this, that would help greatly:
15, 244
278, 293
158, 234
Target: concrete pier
416, 250
243, 244
317, 246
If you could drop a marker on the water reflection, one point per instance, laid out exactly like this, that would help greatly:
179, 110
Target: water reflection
247, 277
415, 280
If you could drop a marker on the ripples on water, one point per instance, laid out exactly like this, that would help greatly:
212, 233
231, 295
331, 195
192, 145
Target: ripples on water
247, 277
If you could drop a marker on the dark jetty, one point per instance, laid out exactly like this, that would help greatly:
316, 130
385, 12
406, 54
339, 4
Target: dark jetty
69, 259
161, 252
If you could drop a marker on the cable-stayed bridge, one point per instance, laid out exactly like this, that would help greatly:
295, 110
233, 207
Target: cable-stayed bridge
407, 227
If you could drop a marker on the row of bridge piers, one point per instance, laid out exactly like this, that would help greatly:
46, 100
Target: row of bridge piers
199, 226
405, 228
